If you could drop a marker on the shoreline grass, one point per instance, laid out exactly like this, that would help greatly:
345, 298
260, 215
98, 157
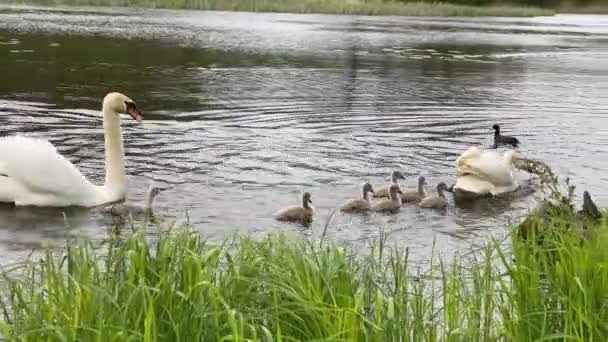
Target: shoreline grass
592, 9
179, 287
347, 7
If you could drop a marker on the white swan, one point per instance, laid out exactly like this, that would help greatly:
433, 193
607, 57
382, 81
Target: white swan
488, 172
33, 173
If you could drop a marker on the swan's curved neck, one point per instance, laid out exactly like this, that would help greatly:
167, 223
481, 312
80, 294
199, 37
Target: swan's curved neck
115, 185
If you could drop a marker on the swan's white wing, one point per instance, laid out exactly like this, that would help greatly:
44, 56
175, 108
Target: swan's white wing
489, 165
473, 184
37, 165
496, 169
466, 162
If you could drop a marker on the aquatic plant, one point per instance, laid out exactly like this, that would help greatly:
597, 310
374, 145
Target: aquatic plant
354, 7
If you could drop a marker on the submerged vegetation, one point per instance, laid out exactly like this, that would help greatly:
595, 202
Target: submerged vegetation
178, 287
356, 7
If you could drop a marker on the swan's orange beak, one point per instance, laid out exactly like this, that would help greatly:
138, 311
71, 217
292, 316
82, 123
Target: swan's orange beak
132, 110
135, 114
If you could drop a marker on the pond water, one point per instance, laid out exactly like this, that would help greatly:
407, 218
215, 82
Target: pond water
245, 111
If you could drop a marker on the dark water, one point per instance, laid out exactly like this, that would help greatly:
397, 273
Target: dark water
245, 111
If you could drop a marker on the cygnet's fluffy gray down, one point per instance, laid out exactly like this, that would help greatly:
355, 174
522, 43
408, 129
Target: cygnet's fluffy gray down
133, 210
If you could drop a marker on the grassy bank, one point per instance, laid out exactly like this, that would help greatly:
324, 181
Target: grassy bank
181, 288
594, 9
363, 7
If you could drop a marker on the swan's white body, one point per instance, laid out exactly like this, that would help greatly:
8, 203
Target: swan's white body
33, 173
488, 172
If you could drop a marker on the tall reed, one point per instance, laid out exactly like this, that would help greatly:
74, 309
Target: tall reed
179, 287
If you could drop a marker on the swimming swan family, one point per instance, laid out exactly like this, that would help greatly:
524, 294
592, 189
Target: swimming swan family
479, 173
34, 173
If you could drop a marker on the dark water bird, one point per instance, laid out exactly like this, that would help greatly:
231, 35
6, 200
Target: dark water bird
551, 215
503, 139
359, 204
297, 214
438, 200
395, 177
589, 208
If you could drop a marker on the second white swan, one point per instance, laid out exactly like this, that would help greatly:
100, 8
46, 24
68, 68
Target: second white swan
485, 172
